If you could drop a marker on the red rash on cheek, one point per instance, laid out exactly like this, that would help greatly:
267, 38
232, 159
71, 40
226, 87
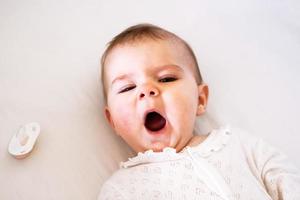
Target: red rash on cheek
123, 119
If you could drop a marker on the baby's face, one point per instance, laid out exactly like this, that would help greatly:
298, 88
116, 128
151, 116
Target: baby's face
152, 95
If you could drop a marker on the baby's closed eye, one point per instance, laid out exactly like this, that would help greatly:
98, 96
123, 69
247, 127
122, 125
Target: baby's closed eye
167, 79
126, 89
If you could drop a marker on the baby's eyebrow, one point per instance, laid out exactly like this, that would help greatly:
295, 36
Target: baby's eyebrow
121, 77
171, 66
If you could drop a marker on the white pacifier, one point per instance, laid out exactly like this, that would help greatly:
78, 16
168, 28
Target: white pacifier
23, 141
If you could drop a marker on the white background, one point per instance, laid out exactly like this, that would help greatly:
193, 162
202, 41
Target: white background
248, 52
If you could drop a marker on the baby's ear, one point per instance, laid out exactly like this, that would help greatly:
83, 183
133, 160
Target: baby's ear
203, 92
108, 117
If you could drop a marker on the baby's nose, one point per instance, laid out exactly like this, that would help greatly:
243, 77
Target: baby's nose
148, 91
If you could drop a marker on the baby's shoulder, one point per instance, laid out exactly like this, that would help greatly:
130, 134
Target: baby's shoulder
237, 139
244, 136
115, 185
252, 144
125, 176
120, 176
230, 135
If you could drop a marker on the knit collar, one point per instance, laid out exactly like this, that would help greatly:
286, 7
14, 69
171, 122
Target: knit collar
215, 141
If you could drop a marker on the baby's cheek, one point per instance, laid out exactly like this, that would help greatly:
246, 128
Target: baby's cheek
183, 105
123, 119
185, 96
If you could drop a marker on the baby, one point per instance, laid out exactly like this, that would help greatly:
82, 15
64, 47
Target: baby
154, 91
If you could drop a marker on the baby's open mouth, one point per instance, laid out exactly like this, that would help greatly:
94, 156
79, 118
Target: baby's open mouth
154, 121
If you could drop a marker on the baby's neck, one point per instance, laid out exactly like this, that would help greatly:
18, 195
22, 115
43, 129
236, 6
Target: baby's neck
196, 140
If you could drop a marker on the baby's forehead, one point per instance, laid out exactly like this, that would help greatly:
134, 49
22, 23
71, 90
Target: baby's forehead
154, 51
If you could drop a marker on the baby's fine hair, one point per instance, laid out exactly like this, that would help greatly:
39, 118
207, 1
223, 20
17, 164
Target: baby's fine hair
138, 33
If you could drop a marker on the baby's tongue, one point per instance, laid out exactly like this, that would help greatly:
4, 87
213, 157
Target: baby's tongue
154, 121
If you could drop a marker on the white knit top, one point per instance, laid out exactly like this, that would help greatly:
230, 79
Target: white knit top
228, 164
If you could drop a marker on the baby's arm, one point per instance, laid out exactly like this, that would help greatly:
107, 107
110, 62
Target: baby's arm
281, 178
